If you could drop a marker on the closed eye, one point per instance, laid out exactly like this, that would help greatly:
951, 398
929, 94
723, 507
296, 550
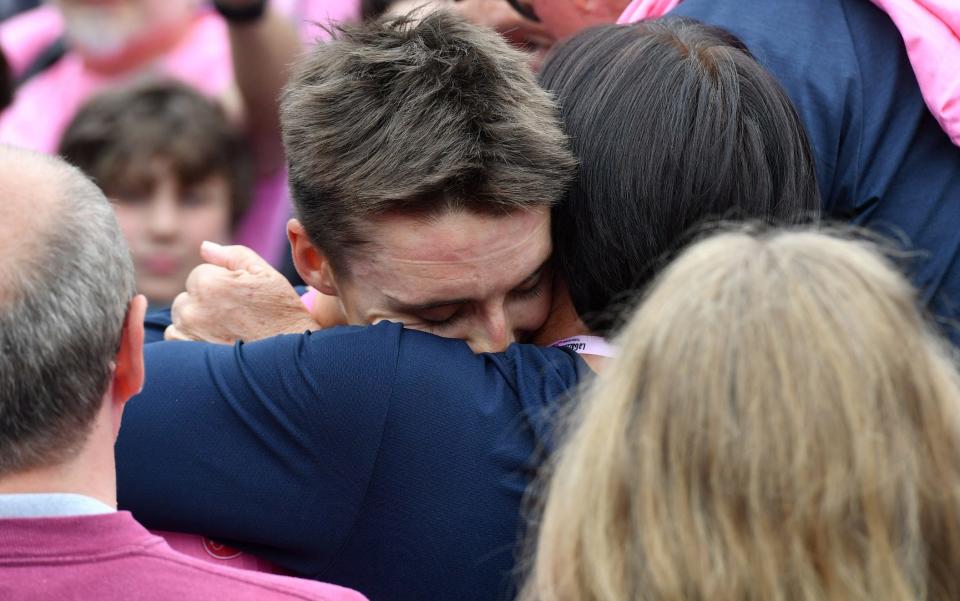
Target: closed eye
528, 293
441, 324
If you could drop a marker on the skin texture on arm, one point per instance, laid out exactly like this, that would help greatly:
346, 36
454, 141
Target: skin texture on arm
236, 296
263, 52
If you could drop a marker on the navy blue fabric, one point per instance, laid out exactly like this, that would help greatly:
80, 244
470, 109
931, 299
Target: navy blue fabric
387, 460
155, 324
882, 160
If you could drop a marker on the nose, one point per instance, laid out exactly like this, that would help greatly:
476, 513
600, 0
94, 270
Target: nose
493, 334
164, 216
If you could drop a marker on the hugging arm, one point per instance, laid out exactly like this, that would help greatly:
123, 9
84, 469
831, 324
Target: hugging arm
269, 445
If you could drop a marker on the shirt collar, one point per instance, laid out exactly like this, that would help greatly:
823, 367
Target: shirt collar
47, 505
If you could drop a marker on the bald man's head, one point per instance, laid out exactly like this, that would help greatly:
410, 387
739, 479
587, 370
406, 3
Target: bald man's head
67, 280
35, 189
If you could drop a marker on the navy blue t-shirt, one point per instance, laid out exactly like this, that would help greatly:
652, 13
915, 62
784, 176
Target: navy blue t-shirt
882, 160
387, 460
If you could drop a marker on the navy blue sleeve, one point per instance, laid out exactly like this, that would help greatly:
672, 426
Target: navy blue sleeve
463, 439
268, 443
155, 324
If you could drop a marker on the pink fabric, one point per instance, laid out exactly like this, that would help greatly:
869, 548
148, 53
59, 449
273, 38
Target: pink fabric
314, 13
111, 557
263, 227
44, 106
930, 30
646, 9
211, 551
25, 36
308, 298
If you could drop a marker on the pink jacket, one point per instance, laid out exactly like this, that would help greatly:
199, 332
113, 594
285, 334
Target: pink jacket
931, 32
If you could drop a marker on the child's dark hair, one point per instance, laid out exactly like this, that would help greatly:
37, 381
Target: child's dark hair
117, 137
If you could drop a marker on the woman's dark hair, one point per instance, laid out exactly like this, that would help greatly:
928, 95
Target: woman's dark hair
372, 9
674, 123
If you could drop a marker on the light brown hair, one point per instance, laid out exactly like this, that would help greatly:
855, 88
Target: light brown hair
782, 424
418, 117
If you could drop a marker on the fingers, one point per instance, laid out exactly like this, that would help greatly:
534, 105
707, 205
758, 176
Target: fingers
176, 308
172, 333
206, 279
234, 257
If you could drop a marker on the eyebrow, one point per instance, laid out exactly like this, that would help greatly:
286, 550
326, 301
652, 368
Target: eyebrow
399, 305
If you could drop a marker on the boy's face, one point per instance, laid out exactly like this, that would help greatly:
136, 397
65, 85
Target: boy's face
164, 224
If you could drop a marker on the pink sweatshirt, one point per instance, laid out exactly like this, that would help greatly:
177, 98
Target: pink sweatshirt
111, 557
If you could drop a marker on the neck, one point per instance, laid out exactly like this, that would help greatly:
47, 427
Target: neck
142, 51
563, 322
91, 472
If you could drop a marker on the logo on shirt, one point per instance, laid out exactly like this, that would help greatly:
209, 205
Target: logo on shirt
220, 550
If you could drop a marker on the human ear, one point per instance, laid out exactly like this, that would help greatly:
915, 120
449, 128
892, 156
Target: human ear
128, 375
311, 263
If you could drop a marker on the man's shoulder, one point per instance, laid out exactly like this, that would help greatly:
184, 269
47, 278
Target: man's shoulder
519, 363
524, 380
229, 583
111, 556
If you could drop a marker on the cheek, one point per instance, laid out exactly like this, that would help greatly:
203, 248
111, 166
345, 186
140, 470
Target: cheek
530, 315
560, 17
360, 304
207, 223
133, 222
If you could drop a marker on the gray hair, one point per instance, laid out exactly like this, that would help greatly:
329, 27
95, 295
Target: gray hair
419, 117
62, 311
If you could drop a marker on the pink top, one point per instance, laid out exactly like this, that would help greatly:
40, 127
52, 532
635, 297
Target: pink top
309, 298
639, 10
44, 106
111, 557
931, 32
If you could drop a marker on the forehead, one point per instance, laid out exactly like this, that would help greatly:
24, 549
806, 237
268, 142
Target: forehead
455, 255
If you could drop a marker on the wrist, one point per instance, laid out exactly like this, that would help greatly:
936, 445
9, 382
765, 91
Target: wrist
246, 13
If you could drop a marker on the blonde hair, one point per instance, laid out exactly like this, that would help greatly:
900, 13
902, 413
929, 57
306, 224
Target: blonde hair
782, 424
